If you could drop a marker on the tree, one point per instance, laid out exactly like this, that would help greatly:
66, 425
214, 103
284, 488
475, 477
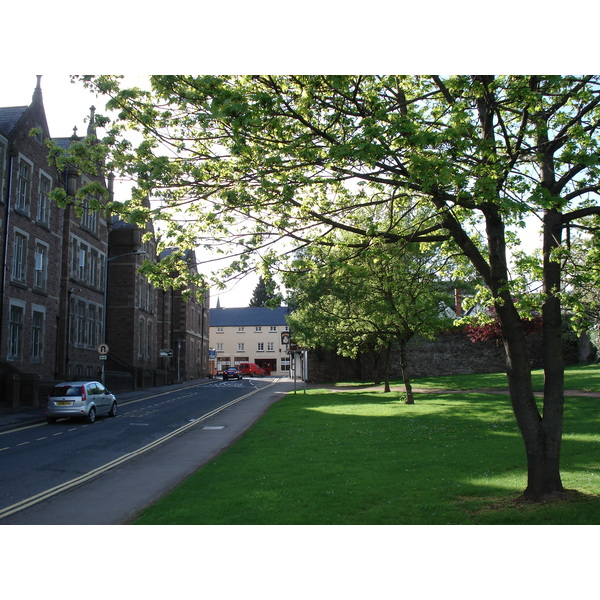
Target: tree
257, 159
367, 300
263, 295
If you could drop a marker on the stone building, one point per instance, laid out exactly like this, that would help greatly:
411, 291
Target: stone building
68, 274
184, 326
51, 285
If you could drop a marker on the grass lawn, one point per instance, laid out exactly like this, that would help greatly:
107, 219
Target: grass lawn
358, 456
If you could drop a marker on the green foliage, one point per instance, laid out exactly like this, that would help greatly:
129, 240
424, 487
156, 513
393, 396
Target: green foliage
360, 300
264, 293
252, 159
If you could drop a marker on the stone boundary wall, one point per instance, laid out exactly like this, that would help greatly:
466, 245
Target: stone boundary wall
448, 354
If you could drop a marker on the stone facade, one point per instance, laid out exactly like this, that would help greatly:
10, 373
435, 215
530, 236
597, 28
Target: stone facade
69, 287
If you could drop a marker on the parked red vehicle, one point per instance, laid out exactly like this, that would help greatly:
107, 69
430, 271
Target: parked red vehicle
252, 369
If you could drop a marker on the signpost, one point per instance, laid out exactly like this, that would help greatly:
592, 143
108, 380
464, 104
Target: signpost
103, 355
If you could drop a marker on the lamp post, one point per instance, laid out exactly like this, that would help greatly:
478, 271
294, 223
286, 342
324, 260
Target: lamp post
107, 260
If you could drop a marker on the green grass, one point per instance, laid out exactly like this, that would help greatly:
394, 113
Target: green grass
583, 378
364, 457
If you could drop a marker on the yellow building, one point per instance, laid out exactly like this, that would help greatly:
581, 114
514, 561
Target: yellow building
251, 334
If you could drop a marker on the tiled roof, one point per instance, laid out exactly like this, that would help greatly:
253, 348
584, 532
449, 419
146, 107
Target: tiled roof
9, 117
248, 316
63, 142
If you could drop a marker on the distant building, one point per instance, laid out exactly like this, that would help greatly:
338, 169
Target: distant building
251, 334
184, 326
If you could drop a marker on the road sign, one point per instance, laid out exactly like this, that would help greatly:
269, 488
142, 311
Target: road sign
102, 357
103, 349
165, 353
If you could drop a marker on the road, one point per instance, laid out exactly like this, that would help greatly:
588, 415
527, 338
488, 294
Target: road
104, 473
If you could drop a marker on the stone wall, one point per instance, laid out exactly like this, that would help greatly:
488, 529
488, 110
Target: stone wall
448, 354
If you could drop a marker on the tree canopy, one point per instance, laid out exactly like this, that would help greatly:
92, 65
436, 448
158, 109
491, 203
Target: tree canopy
461, 160
367, 300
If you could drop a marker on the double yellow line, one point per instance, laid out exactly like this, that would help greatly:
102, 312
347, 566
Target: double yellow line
63, 487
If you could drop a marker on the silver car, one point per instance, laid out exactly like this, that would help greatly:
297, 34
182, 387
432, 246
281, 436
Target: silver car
85, 399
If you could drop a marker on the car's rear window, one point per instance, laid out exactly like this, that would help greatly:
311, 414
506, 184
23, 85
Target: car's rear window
66, 390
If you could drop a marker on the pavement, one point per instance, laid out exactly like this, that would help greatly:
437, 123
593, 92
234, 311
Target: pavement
117, 495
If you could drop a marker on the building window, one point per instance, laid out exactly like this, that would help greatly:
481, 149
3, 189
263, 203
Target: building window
82, 265
220, 347
270, 347
260, 347
149, 342
80, 313
23, 187
89, 216
241, 329
19, 258
140, 340
258, 329
273, 328
43, 208
240, 347
87, 263
220, 330
37, 335
15, 332
40, 277
285, 364
94, 271
92, 340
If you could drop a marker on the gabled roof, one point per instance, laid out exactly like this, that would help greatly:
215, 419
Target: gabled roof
248, 316
9, 117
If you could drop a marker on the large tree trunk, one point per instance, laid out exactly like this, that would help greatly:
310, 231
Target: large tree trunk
541, 435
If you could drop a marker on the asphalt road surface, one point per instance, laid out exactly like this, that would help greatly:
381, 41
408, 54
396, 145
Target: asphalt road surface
106, 472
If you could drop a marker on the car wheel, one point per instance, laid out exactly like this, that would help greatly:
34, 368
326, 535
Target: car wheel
113, 410
50, 420
91, 416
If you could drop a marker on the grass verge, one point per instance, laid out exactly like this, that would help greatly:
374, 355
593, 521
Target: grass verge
364, 457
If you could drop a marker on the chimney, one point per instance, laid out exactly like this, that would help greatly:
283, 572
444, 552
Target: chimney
457, 302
